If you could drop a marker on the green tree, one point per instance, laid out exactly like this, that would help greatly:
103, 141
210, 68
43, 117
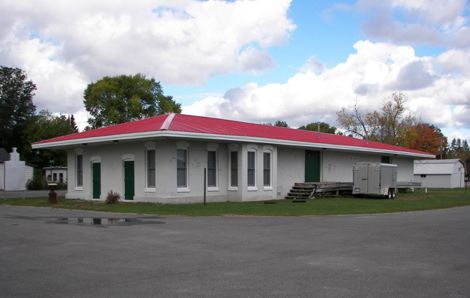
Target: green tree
281, 123
460, 149
123, 98
16, 107
319, 126
45, 126
73, 124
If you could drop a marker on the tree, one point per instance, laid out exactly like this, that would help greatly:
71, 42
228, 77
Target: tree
16, 106
429, 138
278, 123
123, 98
45, 126
388, 125
461, 150
73, 124
281, 123
319, 126
356, 122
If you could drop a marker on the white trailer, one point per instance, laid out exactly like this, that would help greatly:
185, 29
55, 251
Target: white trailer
375, 179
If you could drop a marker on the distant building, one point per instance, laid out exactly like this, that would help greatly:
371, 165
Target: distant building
14, 173
55, 174
440, 173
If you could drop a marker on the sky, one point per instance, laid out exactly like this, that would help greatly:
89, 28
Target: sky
299, 61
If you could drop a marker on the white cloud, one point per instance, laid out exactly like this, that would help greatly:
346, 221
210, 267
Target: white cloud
433, 11
370, 76
59, 84
431, 22
64, 45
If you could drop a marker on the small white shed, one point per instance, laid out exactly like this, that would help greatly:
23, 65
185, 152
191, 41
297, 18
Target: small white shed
55, 174
440, 173
14, 173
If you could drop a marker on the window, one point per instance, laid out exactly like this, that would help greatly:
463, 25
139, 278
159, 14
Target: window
211, 168
267, 169
150, 168
49, 178
54, 177
233, 168
423, 175
251, 168
182, 168
61, 177
79, 169
385, 159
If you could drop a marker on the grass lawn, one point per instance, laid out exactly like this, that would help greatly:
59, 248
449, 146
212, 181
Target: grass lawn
434, 199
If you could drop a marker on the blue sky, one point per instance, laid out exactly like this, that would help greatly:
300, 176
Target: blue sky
321, 31
260, 61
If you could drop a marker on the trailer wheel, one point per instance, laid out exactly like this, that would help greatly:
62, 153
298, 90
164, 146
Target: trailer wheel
391, 194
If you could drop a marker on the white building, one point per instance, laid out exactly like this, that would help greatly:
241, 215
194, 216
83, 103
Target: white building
440, 173
162, 159
14, 173
55, 174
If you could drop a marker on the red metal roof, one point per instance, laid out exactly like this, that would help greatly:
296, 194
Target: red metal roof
223, 127
145, 125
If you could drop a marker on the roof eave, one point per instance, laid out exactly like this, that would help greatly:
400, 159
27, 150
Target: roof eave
205, 136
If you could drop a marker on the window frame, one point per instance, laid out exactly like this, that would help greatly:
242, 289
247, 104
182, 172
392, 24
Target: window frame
231, 163
214, 187
270, 169
251, 186
79, 171
183, 188
148, 187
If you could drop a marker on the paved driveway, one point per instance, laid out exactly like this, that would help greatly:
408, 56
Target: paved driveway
61, 253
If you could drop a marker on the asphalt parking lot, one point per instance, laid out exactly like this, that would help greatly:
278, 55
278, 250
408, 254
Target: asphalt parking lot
63, 253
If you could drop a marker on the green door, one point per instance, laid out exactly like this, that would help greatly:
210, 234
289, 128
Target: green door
96, 180
312, 166
129, 180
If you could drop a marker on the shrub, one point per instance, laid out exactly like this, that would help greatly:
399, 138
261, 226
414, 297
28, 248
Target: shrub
61, 186
112, 197
38, 182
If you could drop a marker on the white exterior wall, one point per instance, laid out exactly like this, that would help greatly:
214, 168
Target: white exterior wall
112, 174
51, 172
259, 191
2, 176
335, 166
287, 167
458, 176
16, 172
435, 180
338, 166
405, 168
291, 169
439, 174
28, 174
